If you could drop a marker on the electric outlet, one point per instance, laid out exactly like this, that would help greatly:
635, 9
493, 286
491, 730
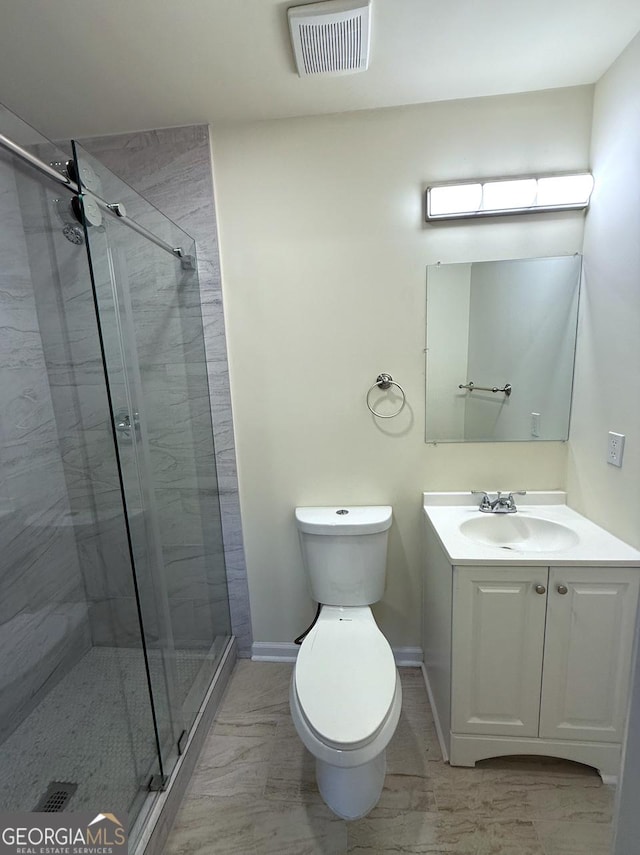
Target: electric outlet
616, 448
535, 424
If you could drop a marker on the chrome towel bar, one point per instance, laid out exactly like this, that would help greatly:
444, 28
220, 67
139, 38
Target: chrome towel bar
471, 386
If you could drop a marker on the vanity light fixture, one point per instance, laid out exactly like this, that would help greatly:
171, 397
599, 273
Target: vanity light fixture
506, 196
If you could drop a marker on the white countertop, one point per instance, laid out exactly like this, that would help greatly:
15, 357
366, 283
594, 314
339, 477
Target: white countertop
595, 546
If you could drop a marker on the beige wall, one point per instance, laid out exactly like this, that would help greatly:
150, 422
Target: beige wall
324, 259
607, 386
607, 383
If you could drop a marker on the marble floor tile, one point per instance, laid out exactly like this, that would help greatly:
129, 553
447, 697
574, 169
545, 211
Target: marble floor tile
257, 694
231, 780
300, 830
225, 749
507, 837
266, 729
292, 770
411, 749
234, 761
415, 704
572, 804
413, 832
254, 790
540, 799
405, 793
283, 788
205, 825
574, 838
431, 832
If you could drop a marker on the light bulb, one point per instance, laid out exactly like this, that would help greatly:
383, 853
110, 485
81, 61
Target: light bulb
564, 190
504, 195
456, 199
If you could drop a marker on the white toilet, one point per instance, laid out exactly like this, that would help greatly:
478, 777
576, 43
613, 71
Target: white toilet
345, 694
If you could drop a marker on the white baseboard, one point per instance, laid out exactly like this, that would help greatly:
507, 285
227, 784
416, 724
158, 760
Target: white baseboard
287, 651
274, 651
408, 657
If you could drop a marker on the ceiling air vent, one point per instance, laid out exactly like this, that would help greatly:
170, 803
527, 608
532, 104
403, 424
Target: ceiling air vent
331, 37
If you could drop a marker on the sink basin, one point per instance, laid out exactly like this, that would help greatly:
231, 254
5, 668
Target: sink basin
520, 533
544, 531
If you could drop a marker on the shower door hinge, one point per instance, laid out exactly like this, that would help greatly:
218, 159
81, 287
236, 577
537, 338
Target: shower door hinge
158, 783
182, 742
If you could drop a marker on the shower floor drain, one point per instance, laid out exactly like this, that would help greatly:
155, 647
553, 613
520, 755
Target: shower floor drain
55, 797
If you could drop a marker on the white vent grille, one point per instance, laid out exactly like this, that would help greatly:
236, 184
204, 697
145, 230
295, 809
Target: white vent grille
331, 37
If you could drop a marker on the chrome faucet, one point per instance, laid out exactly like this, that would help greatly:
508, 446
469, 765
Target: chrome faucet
503, 503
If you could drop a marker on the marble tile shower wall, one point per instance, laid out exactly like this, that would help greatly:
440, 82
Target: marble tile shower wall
162, 324
73, 361
172, 169
44, 628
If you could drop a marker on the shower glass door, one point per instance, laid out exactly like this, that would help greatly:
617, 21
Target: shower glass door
153, 343
76, 714
113, 601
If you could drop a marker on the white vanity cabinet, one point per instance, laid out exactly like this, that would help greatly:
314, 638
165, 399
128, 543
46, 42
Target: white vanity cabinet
497, 649
590, 625
542, 652
529, 657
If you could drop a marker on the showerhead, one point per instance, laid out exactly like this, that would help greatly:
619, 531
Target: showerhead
71, 228
73, 234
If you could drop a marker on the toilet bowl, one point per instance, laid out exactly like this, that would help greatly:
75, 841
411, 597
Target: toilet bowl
345, 700
345, 695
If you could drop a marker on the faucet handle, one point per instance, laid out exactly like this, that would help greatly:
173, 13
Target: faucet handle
508, 501
485, 502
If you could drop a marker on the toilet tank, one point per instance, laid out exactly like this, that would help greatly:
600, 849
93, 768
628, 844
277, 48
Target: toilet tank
345, 552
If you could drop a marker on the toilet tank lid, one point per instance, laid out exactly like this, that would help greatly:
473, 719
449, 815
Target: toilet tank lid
344, 519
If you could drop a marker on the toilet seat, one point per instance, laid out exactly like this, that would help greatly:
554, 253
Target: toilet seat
345, 678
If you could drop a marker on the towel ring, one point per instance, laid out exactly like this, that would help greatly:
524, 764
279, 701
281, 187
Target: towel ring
386, 381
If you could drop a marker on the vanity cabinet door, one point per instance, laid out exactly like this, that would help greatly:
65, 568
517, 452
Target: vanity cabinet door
587, 659
498, 638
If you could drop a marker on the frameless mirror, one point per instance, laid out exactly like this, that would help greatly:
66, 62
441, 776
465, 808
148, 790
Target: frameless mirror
500, 349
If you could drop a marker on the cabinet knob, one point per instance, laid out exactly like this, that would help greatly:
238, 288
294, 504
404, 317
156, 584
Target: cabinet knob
540, 589
562, 589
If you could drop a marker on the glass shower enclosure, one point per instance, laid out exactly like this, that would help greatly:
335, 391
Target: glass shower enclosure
114, 612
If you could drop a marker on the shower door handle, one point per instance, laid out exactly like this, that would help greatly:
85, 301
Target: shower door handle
123, 423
